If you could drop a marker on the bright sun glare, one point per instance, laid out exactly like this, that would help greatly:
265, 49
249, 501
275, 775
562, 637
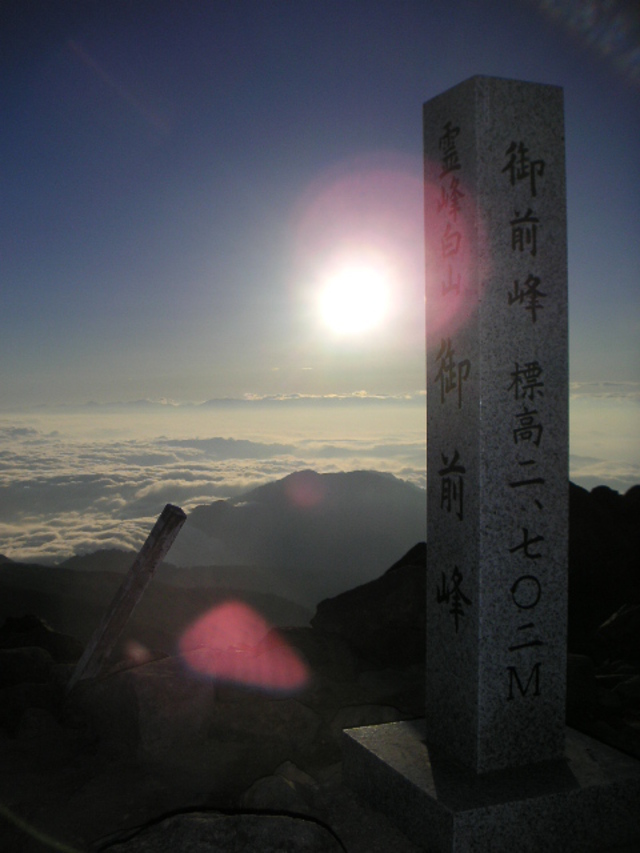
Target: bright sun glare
354, 300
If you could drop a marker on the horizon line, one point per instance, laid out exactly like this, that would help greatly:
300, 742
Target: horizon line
598, 389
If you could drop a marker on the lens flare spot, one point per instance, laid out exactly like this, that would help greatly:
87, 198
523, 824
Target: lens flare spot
233, 643
136, 654
305, 489
357, 261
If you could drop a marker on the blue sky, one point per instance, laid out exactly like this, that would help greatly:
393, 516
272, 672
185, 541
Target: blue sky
174, 174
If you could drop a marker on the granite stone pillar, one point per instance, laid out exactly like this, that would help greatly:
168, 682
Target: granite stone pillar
497, 422
492, 767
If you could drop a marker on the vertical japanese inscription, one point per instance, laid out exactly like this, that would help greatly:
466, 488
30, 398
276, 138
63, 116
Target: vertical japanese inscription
448, 207
452, 369
526, 545
452, 484
452, 373
450, 592
526, 290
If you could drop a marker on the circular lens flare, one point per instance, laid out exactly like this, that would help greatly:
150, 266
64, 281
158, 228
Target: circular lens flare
357, 261
232, 643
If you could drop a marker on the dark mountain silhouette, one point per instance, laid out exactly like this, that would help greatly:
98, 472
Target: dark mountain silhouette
320, 533
302, 538
604, 562
73, 601
312, 536
104, 560
117, 561
149, 739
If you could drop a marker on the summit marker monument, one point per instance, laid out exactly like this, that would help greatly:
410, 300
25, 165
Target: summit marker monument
493, 767
497, 428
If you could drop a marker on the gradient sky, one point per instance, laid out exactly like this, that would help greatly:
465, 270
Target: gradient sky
178, 178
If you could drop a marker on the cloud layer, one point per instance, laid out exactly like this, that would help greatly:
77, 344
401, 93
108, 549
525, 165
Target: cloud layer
83, 486
73, 481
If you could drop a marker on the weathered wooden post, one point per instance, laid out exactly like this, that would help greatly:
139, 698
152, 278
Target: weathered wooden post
129, 594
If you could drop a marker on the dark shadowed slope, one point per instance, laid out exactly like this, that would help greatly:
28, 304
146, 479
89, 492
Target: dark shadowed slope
324, 532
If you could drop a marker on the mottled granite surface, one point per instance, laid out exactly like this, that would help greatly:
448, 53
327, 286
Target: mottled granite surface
497, 422
587, 801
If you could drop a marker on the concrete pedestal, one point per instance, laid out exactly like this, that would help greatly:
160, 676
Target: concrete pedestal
590, 800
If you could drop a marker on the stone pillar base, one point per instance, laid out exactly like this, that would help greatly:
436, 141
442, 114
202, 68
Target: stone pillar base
588, 801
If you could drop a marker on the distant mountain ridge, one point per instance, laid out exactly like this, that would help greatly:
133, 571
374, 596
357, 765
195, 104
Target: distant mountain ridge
306, 536
323, 519
73, 601
320, 533
104, 560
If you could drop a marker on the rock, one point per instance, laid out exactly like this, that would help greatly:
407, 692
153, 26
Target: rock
620, 667
609, 703
619, 738
61, 673
403, 688
604, 543
629, 691
277, 729
151, 710
289, 789
211, 832
382, 682
30, 630
609, 680
383, 620
328, 655
275, 794
38, 722
156, 739
621, 631
582, 687
39, 729
219, 738
24, 664
288, 770
363, 715
15, 700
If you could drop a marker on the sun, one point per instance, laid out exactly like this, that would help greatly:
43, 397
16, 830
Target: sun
355, 299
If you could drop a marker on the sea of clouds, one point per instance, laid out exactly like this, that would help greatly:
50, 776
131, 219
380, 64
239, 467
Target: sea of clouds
76, 480
604, 434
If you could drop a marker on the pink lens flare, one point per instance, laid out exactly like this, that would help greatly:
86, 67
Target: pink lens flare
305, 490
363, 214
233, 643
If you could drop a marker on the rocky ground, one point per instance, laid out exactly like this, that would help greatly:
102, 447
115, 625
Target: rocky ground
152, 758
